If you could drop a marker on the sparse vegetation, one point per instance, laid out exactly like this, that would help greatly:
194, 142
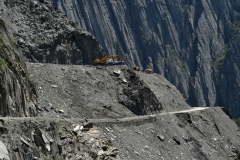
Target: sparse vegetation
1, 42
4, 123
2, 62
146, 86
219, 61
12, 42
236, 25
2, 23
12, 3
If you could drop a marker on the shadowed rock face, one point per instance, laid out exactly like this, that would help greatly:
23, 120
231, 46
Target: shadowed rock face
192, 43
17, 93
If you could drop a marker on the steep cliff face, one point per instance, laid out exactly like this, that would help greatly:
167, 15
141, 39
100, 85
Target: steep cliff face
17, 93
192, 43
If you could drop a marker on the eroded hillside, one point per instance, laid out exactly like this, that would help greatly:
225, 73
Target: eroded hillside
45, 35
194, 44
101, 92
207, 134
92, 112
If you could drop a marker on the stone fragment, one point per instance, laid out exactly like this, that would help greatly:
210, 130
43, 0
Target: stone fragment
161, 137
114, 152
81, 128
124, 81
117, 73
61, 111
45, 138
48, 147
136, 152
177, 141
54, 86
76, 128
88, 125
47, 109
100, 153
25, 142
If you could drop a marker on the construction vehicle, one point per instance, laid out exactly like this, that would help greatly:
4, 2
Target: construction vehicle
109, 60
149, 71
136, 68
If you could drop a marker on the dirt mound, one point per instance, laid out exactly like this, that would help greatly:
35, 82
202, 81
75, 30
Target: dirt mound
99, 91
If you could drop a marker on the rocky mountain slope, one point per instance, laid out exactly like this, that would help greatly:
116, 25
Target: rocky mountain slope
17, 93
186, 136
100, 91
194, 44
45, 35
52, 111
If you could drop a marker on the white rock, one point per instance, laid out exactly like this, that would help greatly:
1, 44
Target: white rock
77, 128
81, 127
61, 111
136, 152
48, 147
3, 151
101, 152
117, 72
107, 129
124, 81
54, 86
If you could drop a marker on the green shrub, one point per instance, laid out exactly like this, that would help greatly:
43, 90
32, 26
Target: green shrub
12, 3
219, 61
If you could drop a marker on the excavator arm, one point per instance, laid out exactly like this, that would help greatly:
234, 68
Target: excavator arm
109, 60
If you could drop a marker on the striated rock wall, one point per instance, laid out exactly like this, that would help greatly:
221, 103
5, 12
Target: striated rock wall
17, 94
192, 43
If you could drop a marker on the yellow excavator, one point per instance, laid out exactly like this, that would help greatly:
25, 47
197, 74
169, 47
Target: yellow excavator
110, 60
136, 68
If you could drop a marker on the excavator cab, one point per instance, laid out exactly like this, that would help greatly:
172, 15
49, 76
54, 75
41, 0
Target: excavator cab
110, 60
